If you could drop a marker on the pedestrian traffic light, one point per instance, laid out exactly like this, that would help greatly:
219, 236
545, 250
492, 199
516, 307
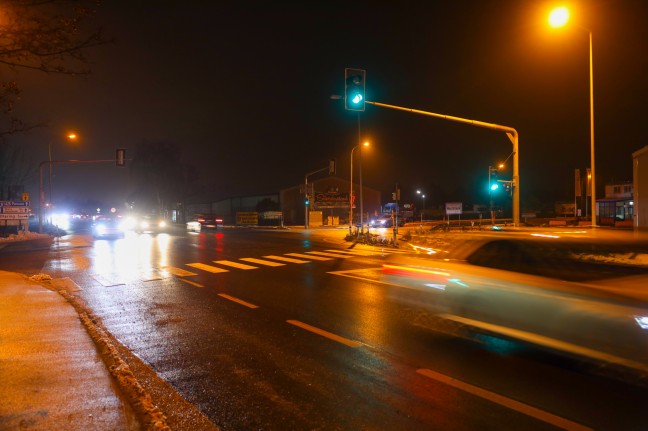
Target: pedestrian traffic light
306, 202
354, 89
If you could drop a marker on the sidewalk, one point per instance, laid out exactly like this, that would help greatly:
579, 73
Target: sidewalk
51, 375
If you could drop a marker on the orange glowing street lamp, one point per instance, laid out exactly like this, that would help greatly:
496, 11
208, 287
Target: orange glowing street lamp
559, 18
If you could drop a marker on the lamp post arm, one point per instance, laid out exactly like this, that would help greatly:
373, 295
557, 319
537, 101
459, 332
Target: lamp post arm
510, 132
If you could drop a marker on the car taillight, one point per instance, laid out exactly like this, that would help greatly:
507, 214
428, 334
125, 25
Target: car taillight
219, 220
201, 220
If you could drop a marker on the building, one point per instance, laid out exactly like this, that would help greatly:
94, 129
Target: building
328, 202
640, 186
617, 208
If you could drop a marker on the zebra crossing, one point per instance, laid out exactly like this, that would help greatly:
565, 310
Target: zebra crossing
271, 261
224, 266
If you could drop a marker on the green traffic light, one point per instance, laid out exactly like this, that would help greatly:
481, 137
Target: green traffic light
494, 186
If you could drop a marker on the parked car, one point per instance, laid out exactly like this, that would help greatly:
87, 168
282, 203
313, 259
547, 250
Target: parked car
109, 226
575, 297
204, 221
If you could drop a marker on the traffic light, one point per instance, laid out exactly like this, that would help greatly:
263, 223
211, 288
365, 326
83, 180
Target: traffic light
354, 89
332, 167
306, 201
120, 157
492, 178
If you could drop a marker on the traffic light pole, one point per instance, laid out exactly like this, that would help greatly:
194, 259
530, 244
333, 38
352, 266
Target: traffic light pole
510, 132
306, 199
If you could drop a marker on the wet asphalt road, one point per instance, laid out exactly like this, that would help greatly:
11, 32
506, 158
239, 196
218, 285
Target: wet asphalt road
259, 332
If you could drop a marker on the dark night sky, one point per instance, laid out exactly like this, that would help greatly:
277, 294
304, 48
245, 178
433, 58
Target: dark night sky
244, 88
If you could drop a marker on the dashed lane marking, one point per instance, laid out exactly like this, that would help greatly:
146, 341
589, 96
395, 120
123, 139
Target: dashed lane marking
504, 401
287, 259
179, 272
321, 253
235, 264
191, 282
208, 268
308, 256
238, 301
262, 262
323, 333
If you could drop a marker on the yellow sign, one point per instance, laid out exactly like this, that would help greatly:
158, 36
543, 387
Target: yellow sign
249, 218
25, 197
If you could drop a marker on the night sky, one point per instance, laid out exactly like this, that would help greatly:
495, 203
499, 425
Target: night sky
244, 89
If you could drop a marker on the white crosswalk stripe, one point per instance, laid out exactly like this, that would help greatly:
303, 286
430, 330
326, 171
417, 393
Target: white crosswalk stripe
235, 264
286, 259
209, 268
336, 255
262, 262
306, 256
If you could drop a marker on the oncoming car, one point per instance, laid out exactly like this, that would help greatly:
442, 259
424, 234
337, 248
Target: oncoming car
384, 220
204, 221
109, 227
150, 224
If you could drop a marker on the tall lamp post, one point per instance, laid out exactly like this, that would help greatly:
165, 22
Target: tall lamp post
558, 18
71, 136
366, 144
418, 192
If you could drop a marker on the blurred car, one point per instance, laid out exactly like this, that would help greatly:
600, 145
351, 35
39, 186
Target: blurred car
581, 298
204, 221
150, 224
384, 220
109, 227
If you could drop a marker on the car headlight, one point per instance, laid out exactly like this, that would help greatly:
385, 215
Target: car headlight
162, 223
101, 229
383, 221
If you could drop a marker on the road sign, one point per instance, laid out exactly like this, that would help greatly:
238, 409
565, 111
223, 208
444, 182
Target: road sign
14, 210
453, 208
14, 216
14, 203
25, 197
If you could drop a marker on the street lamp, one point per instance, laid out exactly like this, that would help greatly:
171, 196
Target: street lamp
418, 192
558, 18
365, 144
71, 137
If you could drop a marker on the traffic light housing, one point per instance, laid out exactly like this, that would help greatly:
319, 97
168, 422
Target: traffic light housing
492, 178
354, 89
120, 157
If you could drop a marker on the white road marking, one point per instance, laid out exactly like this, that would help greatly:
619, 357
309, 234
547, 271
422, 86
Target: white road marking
504, 401
235, 264
177, 271
191, 282
286, 259
239, 301
308, 256
262, 262
208, 268
338, 256
323, 333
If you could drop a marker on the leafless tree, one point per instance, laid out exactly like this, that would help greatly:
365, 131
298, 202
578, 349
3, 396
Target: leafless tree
50, 36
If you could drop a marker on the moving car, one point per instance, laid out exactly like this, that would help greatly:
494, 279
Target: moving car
580, 298
109, 226
384, 220
150, 224
204, 221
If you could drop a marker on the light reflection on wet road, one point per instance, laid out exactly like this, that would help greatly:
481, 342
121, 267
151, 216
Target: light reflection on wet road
249, 367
